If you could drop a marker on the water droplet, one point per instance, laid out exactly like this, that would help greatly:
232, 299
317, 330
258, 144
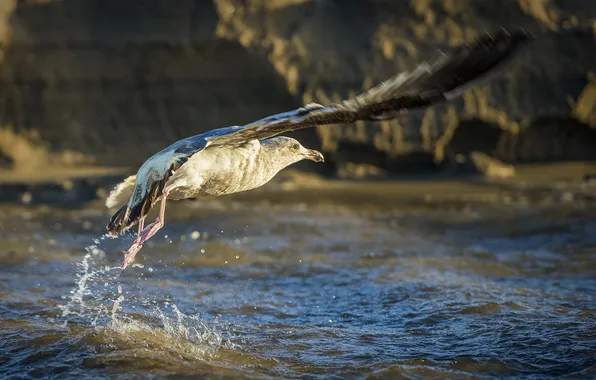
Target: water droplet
202, 250
26, 198
237, 256
150, 269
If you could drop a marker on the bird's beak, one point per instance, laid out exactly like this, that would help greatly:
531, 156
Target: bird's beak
314, 155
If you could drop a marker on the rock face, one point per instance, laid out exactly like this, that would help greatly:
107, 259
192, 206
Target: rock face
110, 82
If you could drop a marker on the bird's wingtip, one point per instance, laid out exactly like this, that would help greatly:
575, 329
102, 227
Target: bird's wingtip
515, 35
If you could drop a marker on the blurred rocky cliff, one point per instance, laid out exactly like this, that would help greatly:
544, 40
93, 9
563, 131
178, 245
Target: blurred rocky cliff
109, 82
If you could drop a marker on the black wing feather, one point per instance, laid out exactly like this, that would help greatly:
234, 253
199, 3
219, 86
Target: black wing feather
450, 76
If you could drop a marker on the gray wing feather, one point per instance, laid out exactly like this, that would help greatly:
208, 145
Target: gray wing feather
151, 179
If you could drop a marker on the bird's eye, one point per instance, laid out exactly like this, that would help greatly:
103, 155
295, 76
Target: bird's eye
296, 146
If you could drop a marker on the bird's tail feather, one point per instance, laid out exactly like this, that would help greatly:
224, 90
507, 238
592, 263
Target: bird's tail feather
138, 206
121, 193
467, 66
118, 221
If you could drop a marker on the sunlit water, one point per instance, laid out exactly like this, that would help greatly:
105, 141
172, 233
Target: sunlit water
241, 290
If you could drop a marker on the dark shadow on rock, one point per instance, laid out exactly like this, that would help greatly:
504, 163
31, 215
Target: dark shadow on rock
550, 139
119, 81
112, 22
546, 139
474, 135
414, 163
551, 70
381, 164
335, 35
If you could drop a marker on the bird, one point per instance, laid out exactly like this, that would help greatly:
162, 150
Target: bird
240, 158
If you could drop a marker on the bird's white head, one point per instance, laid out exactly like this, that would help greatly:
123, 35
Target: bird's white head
291, 150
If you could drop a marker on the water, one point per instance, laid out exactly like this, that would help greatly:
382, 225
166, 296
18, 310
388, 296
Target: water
303, 290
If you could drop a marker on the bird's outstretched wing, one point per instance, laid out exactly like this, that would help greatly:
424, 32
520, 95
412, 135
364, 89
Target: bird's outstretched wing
151, 179
448, 77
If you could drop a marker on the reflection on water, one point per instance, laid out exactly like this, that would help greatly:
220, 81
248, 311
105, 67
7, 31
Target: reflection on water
233, 289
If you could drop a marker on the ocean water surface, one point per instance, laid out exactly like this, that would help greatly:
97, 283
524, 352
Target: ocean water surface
244, 289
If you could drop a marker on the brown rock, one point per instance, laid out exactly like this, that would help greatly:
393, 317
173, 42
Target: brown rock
585, 107
490, 167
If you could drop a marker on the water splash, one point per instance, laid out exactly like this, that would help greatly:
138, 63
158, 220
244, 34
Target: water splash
97, 299
117, 303
185, 335
85, 299
193, 329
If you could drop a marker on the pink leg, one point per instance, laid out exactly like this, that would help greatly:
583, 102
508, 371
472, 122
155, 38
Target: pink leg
136, 245
140, 230
146, 233
158, 224
137, 241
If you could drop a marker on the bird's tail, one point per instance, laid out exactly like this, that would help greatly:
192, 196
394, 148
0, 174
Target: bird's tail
120, 196
468, 66
118, 221
133, 206
138, 205
121, 193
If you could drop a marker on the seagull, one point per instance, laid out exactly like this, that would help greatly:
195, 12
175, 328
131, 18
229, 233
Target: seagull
240, 158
